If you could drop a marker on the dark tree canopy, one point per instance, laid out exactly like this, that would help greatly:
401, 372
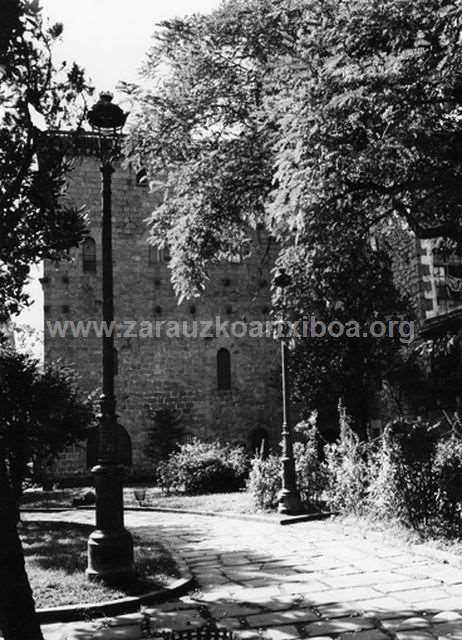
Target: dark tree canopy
323, 119
329, 122
35, 97
41, 412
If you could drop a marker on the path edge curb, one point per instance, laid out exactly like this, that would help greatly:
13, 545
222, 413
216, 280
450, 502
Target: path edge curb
230, 515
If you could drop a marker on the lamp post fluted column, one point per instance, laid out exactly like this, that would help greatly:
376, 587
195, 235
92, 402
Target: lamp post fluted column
289, 498
110, 545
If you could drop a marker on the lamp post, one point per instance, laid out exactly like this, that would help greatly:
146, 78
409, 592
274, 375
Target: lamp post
110, 546
289, 498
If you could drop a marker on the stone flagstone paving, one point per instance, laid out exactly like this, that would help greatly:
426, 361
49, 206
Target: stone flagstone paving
308, 580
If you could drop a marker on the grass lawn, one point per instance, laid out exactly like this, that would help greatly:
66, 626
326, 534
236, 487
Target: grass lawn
238, 501
56, 560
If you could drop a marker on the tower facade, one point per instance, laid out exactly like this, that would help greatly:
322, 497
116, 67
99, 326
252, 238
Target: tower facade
195, 361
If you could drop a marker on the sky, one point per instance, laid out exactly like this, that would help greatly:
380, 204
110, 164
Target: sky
109, 39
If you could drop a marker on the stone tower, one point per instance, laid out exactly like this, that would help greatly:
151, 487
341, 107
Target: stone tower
215, 386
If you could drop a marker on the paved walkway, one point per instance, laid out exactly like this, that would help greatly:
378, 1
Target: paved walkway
308, 580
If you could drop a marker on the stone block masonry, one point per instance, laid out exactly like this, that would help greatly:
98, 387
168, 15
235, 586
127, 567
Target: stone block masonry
178, 373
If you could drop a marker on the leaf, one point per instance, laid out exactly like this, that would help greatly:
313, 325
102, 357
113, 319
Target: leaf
56, 30
332, 63
37, 118
445, 11
33, 6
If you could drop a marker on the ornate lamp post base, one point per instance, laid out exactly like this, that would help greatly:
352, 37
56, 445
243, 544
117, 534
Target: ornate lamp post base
289, 503
110, 545
288, 499
110, 556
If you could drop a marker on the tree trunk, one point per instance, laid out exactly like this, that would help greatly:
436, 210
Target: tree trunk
17, 609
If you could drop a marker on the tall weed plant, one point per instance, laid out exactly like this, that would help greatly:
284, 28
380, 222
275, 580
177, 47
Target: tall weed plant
346, 469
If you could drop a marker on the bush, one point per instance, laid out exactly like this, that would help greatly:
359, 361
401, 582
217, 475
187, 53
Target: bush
202, 467
414, 449
346, 469
265, 476
166, 431
411, 473
383, 500
448, 472
311, 472
265, 481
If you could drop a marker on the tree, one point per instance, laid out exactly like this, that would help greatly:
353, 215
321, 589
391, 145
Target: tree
254, 115
166, 431
205, 124
35, 223
377, 133
41, 412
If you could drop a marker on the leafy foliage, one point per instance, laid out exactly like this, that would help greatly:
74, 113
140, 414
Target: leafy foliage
346, 469
411, 473
383, 500
448, 469
310, 470
165, 433
203, 467
320, 119
326, 122
41, 412
35, 97
427, 464
264, 483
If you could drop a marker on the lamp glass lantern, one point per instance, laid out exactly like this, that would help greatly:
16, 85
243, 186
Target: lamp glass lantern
107, 121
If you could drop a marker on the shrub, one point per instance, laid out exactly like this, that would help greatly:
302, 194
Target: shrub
447, 468
346, 469
265, 476
414, 450
383, 500
202, 467
264, 481
165, 432
410, 473
311, 473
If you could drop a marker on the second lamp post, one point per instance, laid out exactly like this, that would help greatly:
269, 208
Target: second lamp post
289, 498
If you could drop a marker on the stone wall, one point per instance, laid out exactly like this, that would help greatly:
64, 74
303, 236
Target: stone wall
153, 372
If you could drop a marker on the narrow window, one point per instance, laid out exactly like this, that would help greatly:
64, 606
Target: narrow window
153, 255
89, 255
224, 369
158, 256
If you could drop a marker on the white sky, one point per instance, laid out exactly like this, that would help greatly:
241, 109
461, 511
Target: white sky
109, 39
